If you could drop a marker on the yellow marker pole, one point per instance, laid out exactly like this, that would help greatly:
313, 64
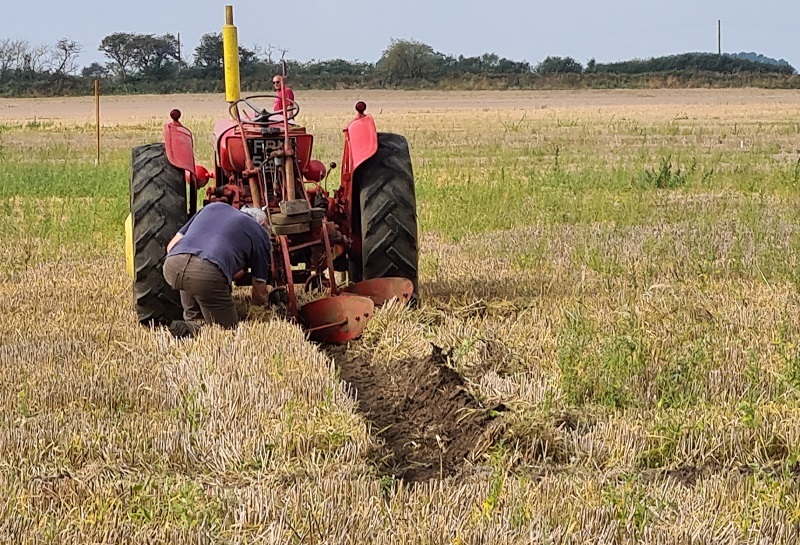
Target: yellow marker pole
230, 56
97, 118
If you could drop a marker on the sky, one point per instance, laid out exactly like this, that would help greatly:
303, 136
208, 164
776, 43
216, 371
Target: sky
611, 30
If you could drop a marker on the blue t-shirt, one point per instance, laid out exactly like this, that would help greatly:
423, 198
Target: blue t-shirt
230, 239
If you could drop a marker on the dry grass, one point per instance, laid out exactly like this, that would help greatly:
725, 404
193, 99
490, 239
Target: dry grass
644, 339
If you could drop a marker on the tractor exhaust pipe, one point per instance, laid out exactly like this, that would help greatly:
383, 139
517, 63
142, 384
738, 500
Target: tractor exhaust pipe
233, 92
230, 56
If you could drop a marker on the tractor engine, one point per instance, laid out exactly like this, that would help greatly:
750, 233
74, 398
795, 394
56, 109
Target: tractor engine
266, 149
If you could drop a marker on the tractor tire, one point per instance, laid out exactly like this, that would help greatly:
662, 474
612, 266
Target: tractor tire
158, 210
387, 214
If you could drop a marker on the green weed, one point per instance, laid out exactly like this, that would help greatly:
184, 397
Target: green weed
681, 379
665, 177
599, 369
662, 440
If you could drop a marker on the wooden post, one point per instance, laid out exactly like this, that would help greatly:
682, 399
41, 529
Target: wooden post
97, 118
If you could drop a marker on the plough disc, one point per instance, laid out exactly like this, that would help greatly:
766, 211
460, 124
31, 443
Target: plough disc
336, 319
382, 290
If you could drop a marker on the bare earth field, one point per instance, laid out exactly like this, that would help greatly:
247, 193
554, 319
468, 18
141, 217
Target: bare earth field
607, 349
137, 109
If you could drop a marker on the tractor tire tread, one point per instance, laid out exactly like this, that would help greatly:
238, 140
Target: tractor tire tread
158, 210
388, 213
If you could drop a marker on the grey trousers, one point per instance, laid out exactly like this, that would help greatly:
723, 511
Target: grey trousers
205, 290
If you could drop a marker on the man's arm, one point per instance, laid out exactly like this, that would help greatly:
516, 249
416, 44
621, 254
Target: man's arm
181, 232
260, 292
174, 241
260, 257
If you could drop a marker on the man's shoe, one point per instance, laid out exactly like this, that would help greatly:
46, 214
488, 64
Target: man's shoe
182, 330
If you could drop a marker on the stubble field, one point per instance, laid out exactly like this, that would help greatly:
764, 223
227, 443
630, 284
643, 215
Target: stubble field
607, 349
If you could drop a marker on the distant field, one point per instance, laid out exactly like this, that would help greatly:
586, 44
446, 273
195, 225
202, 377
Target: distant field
609, 278
140, 108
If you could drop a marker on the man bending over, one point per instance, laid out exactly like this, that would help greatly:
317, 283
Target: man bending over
205, 255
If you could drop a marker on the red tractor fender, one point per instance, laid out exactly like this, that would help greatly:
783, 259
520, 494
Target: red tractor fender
179, 143
362, 138
360, 143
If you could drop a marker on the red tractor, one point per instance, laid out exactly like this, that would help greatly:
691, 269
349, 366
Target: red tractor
365, 231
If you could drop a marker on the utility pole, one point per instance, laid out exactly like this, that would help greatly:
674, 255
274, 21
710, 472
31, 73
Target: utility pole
719, 37
179, 51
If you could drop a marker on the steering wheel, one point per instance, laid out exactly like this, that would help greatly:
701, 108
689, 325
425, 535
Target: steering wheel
262, 116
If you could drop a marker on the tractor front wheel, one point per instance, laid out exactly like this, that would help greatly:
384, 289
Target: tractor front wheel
388, 214
158, 210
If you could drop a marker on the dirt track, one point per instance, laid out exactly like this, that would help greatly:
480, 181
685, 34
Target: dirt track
140, 108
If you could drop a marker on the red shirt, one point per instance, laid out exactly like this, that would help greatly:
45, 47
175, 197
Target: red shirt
287, 93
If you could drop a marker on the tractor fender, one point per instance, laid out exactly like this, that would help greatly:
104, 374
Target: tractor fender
362, 138
179, 143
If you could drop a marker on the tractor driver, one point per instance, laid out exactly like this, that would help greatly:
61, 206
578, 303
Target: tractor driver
287, 94
204, 257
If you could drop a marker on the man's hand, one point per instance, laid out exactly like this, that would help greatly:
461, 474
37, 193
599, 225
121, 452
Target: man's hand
260, 292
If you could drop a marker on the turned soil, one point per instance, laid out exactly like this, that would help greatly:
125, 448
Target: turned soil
429, 424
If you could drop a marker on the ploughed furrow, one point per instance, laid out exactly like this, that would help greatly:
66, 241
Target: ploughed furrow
428, 422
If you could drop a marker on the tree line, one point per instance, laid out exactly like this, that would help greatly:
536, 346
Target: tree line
149, 63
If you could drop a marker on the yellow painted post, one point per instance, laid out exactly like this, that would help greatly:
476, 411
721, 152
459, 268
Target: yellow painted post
230, 48
97, 118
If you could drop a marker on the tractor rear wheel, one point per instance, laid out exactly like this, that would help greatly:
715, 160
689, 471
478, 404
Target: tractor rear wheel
388, 214
158, 210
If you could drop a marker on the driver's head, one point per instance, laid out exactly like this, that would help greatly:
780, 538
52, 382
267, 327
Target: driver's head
276, 82
257, 214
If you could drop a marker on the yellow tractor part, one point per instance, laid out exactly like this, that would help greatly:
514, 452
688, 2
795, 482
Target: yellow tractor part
129, 246
230, 56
